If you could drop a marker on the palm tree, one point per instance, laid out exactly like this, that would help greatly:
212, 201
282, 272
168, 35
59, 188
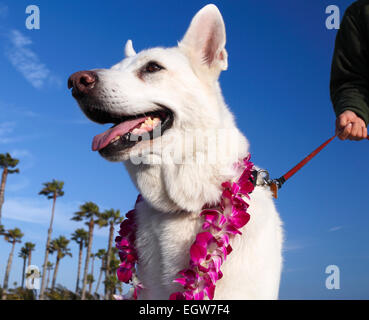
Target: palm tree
111, 281
51, 190
101, 254
60, 246
90, 212
30, 247
80, 236
92, 272
90, 281
12, 236
110, 217
49, 267
6, 162
23, 253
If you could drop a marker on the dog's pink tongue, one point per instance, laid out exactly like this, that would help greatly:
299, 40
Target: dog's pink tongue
103, 139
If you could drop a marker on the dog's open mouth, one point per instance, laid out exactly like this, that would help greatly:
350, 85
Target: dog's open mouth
130, 130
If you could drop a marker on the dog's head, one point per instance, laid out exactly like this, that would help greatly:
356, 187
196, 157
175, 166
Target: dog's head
158, 92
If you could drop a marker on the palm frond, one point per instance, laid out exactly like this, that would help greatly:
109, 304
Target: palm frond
6, 161
52, 189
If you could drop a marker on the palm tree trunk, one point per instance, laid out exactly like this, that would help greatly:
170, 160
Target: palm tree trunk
24, 270
92, 273
2, 188
29, 258
47, 249
79, 264
100, 276
107, 267
89, 247
48, 278
55, 272
7, 272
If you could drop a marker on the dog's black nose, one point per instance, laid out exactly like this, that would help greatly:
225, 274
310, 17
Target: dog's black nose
82, 82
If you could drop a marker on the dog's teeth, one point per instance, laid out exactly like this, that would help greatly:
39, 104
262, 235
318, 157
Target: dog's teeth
115, 139
149, 124
145, 126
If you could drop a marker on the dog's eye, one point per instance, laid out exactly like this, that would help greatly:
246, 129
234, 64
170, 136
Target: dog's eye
152, 67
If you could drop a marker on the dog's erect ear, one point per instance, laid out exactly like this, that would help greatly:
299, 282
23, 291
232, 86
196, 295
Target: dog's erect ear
205, 39
128, 49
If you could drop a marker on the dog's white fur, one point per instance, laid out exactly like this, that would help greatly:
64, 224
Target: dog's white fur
174, 193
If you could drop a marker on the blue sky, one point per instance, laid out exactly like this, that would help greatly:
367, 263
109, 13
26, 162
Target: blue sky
277, 85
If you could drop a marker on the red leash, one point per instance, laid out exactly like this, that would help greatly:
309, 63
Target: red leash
277, 183
296, 168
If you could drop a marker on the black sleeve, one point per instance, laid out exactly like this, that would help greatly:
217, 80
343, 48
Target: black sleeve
349, 85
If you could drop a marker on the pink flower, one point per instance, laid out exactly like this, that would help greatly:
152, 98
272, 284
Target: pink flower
197, 253
210, 248
124, 274
213, 219
239, 218
127, 252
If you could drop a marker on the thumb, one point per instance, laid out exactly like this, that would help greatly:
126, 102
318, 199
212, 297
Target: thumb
342, 121
344, 132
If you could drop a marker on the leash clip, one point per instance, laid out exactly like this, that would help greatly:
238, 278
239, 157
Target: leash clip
262, 179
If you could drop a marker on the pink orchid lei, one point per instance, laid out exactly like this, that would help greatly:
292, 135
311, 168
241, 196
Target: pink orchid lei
210, 249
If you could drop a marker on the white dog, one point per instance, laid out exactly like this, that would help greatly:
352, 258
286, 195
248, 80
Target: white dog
178, 88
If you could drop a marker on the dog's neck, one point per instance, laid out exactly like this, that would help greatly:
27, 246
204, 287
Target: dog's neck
187, 187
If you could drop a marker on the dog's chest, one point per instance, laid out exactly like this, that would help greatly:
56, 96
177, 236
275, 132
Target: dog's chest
163, 241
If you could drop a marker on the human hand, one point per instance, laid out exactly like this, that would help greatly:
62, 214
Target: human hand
350, 126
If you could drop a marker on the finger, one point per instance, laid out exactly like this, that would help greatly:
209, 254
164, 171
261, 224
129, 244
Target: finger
345, 132
339, 126
342, 121
361, 122
355, 133
364, 133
